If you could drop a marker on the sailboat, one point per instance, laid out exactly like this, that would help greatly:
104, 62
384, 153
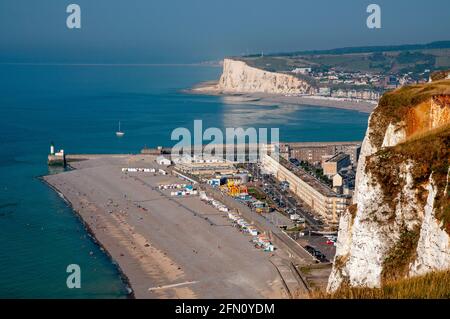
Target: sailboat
119, 133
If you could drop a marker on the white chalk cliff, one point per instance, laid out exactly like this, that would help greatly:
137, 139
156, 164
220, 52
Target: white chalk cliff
238, 77
399, 223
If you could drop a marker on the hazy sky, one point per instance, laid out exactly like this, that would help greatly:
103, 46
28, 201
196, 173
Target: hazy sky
160, 31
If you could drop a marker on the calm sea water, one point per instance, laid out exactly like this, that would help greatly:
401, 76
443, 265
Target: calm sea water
78, 107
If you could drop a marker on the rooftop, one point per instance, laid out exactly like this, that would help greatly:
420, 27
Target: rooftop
310, 180
321, 144
338, 157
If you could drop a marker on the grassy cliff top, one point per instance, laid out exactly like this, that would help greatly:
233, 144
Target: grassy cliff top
394, 106
440, 75
435, 285
393, 103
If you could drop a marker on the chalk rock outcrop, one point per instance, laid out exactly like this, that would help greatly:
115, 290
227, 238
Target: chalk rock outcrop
399, 223
238, 77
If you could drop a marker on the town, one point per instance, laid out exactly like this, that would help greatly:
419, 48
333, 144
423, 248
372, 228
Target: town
356, 73
290, 201
356, 85
287, 206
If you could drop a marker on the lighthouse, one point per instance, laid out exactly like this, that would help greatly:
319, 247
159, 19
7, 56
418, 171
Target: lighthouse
56, 158
52, 148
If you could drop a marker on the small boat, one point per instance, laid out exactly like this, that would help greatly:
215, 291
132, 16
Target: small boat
119, 133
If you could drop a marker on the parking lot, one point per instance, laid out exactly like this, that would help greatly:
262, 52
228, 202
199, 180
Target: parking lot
320, 244
278, 219
288, 204
285, 201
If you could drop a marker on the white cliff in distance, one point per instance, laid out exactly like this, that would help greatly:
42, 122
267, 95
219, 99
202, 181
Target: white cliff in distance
238, 77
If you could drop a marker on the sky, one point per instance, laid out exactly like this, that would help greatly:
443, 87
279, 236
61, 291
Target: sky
185, 31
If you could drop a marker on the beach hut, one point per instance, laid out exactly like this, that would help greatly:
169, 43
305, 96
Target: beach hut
252, 231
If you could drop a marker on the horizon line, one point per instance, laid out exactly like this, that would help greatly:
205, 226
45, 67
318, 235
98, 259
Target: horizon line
107, 64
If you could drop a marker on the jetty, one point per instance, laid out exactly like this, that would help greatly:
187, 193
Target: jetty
56, 158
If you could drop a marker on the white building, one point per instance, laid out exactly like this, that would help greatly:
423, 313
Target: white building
161, 160
301, 70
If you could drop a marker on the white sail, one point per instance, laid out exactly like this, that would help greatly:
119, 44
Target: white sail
119, 133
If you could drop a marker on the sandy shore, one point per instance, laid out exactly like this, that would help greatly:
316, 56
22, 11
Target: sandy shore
166, 247
210, 88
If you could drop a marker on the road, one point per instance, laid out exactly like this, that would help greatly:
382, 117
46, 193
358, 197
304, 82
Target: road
291, 201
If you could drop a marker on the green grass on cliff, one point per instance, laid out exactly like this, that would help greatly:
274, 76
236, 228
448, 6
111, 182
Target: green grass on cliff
439, 75
402, 254
435, 285
394, 105
430, 155
412, 95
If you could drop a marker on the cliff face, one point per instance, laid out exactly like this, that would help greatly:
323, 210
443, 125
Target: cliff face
399, 223
238, 77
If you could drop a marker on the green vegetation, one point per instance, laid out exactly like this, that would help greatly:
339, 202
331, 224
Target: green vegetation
435, 285
386, 62
430, 155
409, 57
393, 106
442, 62
368, 49
275, 64
385, 167
296, 228
317, 172
382, 62
256, 193
400, 256
441, 75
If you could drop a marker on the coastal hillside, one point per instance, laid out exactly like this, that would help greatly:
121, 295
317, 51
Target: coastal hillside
359, 73
400, 59
238, 77
440, 75
399, 224
348, 74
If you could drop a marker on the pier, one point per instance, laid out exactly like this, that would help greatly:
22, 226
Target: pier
56, 158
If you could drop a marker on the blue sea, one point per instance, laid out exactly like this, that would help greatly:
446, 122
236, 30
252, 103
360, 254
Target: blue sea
78, 108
